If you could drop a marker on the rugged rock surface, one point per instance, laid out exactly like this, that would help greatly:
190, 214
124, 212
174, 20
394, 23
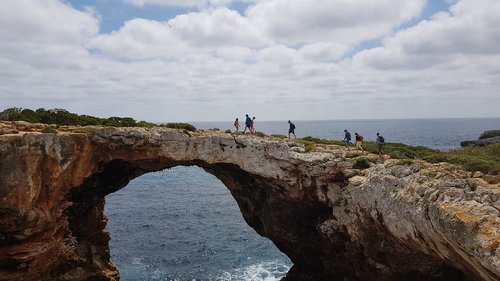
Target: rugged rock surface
387, 222
490, 134
486, 138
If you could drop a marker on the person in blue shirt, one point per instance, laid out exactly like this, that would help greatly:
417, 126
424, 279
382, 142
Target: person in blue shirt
291, 130
248, 124
380, 144
347, 139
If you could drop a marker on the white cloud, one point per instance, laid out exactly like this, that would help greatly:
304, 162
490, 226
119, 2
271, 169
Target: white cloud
471, 29
48, 21
141, 39
185, 3
341, 21
215, 63
217, 27
181, 3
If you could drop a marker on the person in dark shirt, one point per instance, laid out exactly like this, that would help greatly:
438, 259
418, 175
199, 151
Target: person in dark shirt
248, 124
380, 144
291, 130
347, 139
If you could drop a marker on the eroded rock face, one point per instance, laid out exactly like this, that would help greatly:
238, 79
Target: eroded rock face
388, 222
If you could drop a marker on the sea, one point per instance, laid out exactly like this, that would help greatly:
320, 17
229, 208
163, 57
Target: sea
183, 224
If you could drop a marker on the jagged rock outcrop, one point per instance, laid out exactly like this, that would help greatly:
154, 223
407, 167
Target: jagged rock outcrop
387, 222
486, 138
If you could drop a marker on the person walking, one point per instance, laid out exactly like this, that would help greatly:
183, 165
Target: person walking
359, 141
252, 126
347, 139
380, 144
237, 125
291, 130
248, 124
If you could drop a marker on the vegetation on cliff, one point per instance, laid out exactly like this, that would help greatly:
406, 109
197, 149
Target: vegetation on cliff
60, 116
473, 158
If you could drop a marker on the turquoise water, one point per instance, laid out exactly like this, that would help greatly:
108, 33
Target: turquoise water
183, 224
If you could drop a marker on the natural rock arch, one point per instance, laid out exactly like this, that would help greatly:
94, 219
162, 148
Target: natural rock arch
334, 222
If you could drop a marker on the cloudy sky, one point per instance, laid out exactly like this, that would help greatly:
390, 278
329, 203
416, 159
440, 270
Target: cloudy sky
195, 60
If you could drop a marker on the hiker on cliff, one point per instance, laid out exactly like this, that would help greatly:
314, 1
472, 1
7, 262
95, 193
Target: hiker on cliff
347, 139
237, 125
291, 130
380, 144
359, 141
248, 124
252, 127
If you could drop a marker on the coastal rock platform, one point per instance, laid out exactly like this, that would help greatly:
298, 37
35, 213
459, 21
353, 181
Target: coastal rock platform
390, 221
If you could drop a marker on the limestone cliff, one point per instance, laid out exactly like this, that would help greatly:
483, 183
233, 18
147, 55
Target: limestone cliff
390, 221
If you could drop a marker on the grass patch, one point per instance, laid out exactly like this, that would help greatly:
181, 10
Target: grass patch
485, 159
361, 163
430, 174
322, 141
227, 131
278, 136
309, 146
491, 179
404, 162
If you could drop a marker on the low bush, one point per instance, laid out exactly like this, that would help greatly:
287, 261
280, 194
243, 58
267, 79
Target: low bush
278, 136
260, 134
361, 163
185, 126
404, 162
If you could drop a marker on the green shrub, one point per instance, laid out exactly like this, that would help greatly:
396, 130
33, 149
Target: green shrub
227, 131
184, 126
260, 134
361, 163
61, 116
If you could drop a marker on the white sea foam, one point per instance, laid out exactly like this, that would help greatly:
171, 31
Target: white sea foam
263, 271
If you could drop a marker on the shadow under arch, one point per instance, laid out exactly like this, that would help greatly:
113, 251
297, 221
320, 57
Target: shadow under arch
264, 207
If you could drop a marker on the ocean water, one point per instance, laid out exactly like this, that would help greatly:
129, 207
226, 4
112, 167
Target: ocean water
183, 224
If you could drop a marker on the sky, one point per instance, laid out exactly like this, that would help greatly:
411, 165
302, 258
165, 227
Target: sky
215, 60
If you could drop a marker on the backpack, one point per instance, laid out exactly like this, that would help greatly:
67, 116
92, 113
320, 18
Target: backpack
381, 139
360, 137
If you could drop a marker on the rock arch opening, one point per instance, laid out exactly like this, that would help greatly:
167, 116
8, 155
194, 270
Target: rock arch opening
183, 224
261, 205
